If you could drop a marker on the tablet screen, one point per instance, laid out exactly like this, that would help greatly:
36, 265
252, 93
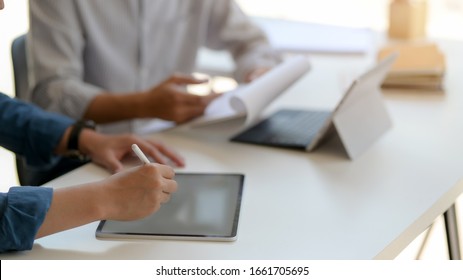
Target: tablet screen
205, 207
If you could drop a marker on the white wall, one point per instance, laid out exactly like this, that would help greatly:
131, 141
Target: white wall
445, 16
13, 22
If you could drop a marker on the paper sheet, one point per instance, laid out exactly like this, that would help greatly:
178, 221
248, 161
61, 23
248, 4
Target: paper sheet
249, 100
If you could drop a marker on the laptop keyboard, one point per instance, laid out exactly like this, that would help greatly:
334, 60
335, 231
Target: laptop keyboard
288, 128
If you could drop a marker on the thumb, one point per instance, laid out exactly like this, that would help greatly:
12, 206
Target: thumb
181, 79
113, 164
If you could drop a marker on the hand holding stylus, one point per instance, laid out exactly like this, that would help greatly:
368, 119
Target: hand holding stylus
140, 154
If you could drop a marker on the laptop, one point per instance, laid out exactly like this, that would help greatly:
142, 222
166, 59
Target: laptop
305, 129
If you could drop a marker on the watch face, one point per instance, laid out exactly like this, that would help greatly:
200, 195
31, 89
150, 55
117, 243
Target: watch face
88, 124
77, 155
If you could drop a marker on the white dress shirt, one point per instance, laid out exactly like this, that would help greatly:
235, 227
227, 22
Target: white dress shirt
81, 48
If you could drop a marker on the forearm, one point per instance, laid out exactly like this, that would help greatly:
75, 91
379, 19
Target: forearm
72, 207
106, 107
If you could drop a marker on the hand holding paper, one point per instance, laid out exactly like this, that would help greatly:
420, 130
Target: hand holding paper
251, 99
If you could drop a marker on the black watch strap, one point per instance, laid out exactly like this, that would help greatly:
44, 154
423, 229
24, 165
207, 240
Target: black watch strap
73, 142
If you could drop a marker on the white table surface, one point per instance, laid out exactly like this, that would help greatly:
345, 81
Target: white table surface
318, 205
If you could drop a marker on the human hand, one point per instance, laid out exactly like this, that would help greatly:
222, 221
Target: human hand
256, 73
137, 192
171, 101
129, 195
109, 150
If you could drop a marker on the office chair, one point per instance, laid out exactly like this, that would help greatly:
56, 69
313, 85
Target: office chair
27, 175
21, 86
18, 55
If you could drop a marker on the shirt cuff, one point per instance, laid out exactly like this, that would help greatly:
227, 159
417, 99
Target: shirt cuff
23, 214
260, 57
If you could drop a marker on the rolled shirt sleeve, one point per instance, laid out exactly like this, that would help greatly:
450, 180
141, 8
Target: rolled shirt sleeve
22, 212
31, 132
230, 28
57, 59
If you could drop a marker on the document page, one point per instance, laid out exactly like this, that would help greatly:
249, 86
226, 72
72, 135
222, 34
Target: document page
251, 99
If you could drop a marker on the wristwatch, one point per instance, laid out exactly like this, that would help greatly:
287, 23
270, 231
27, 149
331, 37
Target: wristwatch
73, 142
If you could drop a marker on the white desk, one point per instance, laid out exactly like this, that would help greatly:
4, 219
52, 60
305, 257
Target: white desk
319, 205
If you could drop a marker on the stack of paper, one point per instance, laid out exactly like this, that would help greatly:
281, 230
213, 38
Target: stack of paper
417, 67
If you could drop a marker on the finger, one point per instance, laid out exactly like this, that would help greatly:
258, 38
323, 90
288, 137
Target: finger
170, 187
185, 79
193, 99
166, 171
180, 96
165, 197
183, 97
200, 100
151, 150
113, 164
210, 97
169, 153
256, 73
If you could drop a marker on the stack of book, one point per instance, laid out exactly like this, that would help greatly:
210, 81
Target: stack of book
417, 67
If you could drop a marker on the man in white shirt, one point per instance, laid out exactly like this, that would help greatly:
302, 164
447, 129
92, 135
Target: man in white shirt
114, 61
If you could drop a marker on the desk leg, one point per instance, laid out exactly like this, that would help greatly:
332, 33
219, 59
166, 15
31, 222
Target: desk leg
451, 228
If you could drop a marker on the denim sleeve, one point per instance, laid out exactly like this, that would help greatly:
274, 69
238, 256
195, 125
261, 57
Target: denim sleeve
29, 131
22, 212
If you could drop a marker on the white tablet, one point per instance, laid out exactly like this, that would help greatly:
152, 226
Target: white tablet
205, 207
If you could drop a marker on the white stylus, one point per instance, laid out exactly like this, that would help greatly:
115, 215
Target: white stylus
140, 154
